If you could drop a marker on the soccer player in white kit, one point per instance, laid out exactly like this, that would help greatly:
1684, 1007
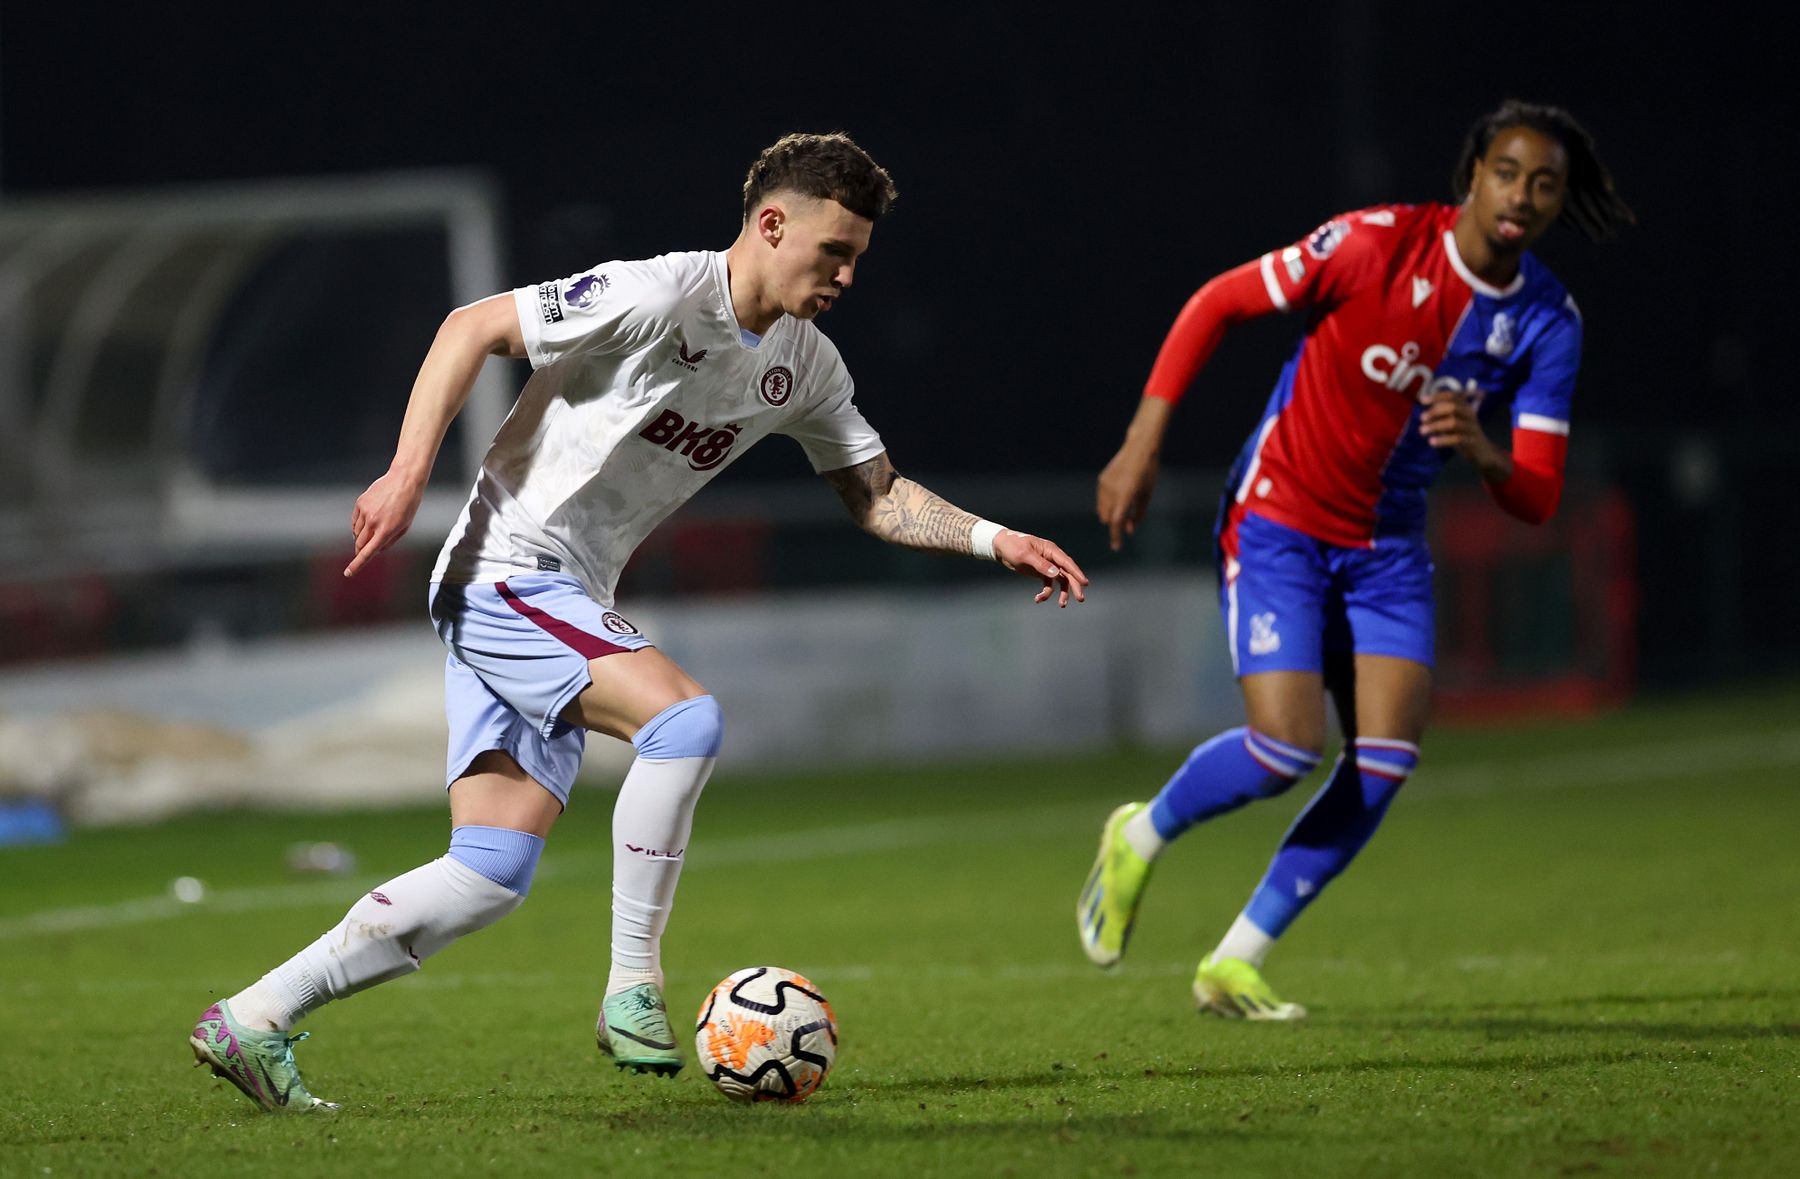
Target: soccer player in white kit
649, 377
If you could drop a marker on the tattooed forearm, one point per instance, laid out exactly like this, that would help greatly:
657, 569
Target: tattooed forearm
912, 516
900, 511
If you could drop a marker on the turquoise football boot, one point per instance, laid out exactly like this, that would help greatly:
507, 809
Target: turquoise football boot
260, 1063
634, 1030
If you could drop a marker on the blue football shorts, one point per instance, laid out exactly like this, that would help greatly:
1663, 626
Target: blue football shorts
1290, 600
519, 652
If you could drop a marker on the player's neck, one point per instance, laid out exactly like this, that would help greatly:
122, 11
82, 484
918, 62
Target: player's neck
1487, 264
756, 312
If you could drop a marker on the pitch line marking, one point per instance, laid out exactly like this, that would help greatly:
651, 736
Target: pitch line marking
1740, 752
847, 974
815, 844
1620, 766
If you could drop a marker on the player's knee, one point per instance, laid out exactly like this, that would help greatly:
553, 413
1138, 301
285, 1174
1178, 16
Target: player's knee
1306, 738
1285, 707
1284, 762
1298, 728
506, 857
691, 728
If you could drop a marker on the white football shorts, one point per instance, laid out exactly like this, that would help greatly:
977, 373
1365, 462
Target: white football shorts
518, 654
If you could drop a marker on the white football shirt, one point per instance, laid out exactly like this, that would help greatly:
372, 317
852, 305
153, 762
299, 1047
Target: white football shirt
643, 389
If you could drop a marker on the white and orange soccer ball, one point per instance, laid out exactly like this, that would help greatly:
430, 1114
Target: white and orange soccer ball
766, 1034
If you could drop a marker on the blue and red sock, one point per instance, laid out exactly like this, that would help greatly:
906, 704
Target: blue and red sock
1331, 830
1235, 767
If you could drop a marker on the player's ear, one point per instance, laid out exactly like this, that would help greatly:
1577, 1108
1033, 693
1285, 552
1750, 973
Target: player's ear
770, 223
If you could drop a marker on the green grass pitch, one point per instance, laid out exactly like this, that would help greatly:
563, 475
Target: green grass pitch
1574, 948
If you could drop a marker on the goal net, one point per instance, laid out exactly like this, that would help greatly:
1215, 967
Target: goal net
209, 371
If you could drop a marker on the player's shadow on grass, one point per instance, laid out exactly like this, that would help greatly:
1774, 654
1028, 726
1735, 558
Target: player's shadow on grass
1000, 1083
832, 1119
1484, 1062
1656, 999
1529, 1018
1522, 1027
1456, 1060
1118, 1077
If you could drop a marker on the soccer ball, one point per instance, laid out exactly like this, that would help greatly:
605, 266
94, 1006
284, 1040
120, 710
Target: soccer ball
766, 1034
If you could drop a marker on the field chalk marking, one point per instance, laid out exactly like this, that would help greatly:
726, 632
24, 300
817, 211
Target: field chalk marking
1614, 766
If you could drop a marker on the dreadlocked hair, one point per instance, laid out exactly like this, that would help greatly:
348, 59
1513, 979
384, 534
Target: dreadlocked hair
1590, 204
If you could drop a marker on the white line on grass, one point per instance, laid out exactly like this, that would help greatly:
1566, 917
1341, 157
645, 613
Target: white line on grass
1073, 969
858, 839
786, 848
161, 908
1077, 970
1728, 753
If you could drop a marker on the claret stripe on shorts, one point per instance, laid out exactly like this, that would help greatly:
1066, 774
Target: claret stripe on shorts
580, 641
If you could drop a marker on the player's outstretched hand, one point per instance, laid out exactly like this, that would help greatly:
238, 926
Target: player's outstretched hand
382, 515
1034, 556
1124, 491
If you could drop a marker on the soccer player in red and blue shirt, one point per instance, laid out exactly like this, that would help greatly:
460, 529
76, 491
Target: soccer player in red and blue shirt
1424, 323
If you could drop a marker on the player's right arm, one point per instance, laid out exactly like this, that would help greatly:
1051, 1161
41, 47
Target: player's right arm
1128, 480
467, 337
1319, 269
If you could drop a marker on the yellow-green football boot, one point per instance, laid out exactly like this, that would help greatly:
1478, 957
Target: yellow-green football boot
1237, 990
1107, 907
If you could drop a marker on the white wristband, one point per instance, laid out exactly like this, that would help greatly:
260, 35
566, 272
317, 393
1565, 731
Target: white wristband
981, 538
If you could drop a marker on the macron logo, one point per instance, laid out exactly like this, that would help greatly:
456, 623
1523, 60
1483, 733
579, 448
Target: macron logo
1421, 290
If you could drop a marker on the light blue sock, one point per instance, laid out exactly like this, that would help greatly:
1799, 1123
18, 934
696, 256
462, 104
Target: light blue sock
1236, 767
1331, 830
509, 858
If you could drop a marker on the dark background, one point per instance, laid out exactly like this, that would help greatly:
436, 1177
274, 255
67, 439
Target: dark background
1065, 183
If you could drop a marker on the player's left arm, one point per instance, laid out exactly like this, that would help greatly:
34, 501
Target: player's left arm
887, 505
1528, 481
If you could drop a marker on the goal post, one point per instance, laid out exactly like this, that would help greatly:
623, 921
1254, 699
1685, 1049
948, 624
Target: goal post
224, 367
